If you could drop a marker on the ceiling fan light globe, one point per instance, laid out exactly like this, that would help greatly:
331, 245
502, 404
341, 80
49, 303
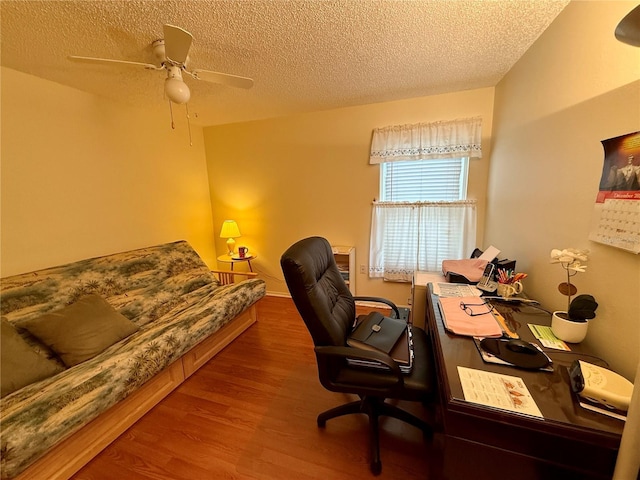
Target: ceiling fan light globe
176, 90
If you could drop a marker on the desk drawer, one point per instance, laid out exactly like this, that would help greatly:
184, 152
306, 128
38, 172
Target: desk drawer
538, 453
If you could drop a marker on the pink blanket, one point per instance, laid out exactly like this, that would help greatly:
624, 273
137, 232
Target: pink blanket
471, 269
481, 324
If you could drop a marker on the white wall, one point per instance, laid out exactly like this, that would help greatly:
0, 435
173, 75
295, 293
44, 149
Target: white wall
287, 178
82, 176
577, 85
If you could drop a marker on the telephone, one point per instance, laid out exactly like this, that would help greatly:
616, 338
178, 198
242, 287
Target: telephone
486, 282
600, 385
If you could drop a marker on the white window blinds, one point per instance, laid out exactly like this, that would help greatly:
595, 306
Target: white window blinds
436, 180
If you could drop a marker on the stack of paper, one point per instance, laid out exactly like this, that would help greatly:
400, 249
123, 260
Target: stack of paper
455, 290
546, 337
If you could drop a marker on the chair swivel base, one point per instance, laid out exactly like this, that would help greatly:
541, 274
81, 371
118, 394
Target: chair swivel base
374, 407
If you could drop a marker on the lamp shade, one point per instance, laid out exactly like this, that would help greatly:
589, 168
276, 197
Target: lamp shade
229, 229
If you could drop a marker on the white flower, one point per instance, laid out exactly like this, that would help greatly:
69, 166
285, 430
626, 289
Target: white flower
571, 260
569, 256
577, 267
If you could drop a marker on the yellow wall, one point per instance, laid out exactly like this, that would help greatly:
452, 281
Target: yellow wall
577, 85
82, 176
288, 178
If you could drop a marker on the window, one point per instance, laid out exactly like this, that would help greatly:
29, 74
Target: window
423, 216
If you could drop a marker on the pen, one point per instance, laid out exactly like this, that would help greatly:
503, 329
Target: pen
509, 276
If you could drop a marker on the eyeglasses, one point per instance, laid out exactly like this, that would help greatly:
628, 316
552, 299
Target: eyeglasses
466, 307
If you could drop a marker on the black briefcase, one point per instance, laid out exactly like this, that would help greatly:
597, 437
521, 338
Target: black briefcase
377, 332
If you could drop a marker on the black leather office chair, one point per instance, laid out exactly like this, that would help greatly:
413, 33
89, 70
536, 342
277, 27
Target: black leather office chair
328, 310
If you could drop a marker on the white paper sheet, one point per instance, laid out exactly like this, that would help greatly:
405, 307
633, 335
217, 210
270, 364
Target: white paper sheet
490, 253
498, 391
455, 290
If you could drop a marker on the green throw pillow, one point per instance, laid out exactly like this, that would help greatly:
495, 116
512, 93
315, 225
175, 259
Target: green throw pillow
20, 365
82, 330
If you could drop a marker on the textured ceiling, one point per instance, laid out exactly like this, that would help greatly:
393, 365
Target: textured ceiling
303, 55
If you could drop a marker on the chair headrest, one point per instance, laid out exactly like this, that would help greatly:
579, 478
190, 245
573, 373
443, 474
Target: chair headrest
318, 290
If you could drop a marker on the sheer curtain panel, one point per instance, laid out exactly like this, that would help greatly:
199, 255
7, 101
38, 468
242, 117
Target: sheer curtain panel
419, 236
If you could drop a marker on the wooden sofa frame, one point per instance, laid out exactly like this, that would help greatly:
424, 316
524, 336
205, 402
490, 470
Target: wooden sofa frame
73, 453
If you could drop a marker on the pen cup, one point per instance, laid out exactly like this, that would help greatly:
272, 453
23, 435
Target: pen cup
507, 290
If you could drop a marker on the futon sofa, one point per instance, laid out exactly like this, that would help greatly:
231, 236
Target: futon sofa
175, 315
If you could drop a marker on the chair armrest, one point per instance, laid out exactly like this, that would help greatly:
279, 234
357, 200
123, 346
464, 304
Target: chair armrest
379, 300
326, 353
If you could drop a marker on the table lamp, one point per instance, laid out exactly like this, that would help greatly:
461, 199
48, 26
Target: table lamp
231, 231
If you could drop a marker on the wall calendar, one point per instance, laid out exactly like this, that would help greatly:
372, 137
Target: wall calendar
616, 215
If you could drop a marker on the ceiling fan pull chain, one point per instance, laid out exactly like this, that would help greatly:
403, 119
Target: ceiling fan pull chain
186, 106
173, 125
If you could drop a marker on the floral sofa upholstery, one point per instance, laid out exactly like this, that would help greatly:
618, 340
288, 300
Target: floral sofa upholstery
166, 290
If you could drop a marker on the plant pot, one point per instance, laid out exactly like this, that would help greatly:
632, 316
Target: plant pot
567, 330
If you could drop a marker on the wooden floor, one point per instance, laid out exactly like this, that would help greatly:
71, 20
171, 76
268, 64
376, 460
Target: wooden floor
250, 413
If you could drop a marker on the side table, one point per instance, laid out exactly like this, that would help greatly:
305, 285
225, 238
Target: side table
233, 259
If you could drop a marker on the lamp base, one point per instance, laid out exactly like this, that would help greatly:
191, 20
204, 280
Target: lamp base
231, 246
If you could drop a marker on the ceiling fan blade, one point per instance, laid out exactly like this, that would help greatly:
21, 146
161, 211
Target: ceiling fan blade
76, 58
628, 30
176, 43
223, 78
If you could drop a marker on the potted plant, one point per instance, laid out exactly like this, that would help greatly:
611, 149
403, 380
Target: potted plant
571, 325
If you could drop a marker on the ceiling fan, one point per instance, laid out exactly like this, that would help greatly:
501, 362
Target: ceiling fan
172, 53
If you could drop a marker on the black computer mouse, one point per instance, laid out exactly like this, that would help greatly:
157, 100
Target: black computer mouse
520, 346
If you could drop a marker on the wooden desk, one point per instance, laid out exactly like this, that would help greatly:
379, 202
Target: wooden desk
479, 442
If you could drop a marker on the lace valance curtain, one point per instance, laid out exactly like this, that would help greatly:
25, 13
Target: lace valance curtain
421, 141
